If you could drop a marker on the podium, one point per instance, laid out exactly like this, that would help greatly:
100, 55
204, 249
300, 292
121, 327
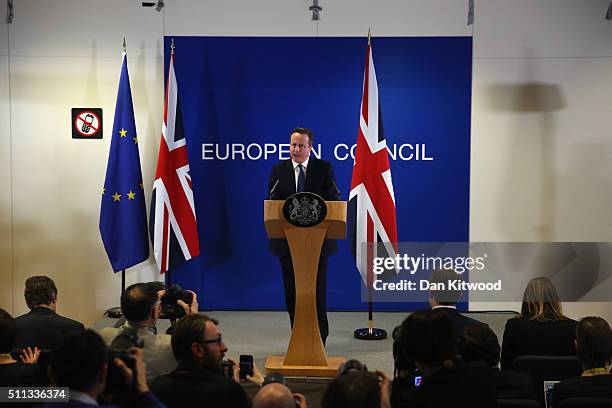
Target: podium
305, 354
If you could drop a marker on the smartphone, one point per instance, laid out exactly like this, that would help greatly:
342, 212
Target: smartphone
246, 366
417, 380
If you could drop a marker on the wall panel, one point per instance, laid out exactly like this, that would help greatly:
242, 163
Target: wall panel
543, 28
58, 180
6, 271
89, 29
541, 152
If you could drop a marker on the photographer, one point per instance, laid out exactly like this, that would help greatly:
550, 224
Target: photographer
427, 341
80, 364
277, 395
142, 305
199, 379
356, 387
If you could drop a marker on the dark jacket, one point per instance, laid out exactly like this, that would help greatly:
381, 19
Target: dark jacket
43, 328
524, 337
511, 384
466, 385
191, 385
23, 375
319, 180
146, 400
596, 386
459, 321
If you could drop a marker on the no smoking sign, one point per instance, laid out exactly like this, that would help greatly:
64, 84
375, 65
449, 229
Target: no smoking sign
86, 123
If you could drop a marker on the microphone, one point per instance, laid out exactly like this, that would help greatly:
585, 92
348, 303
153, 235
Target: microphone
336, 187
273, 187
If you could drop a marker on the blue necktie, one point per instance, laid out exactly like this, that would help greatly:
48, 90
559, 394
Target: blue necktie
301, 184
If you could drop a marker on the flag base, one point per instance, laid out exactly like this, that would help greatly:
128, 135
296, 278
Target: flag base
370, 334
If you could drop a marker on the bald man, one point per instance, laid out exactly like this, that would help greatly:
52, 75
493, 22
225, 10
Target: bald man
276, 395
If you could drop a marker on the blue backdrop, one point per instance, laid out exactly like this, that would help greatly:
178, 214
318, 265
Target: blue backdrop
250, 92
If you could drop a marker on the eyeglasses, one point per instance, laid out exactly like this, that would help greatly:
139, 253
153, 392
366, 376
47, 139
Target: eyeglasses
218, 340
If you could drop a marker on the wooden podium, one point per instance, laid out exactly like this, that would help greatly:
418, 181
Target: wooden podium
305, 353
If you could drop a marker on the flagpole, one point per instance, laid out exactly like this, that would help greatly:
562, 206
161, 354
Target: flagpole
172, 156
116, 312
124, 52
128, 244
122, 281
370, 332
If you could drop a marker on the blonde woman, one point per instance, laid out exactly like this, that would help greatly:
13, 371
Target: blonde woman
541, 329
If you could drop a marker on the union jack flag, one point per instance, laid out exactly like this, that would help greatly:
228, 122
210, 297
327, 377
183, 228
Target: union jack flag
371, 207
173, 225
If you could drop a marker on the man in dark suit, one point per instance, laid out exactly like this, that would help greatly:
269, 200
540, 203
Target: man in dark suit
426, 339
299, 174
445, 300
42, 327
479, 343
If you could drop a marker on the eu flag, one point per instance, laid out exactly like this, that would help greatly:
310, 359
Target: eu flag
123, 218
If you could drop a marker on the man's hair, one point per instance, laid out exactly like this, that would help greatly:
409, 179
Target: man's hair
445, 297
274, 395
7, 331
39, 290
541, 301
479, 343
188, 330
137, 301
593, 342
77, 362
427, 337
355, 389
304, 131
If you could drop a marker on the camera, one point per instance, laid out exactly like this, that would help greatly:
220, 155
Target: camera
351, 365
170, 309
274, 378
119, 348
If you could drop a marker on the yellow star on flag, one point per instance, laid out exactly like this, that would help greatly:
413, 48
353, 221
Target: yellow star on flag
123, 132
141, 186
131, 195
135, 139
117, 197
103, 190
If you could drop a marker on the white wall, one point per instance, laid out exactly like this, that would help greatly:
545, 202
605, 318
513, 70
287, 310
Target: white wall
67, 54
541, 148
542, 88
6, 270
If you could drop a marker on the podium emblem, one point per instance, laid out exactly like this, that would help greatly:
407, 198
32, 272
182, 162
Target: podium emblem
305, 209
